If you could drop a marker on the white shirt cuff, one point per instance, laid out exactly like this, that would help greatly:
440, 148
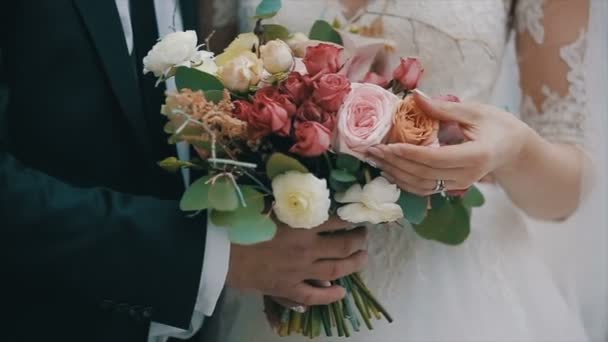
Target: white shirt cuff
213, 277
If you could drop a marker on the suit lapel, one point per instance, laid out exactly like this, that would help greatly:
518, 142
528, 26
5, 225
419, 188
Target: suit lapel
103, 23
189, 9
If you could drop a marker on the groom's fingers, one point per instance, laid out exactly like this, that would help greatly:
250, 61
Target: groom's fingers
310, 295
334, 269
333, 224
340, 245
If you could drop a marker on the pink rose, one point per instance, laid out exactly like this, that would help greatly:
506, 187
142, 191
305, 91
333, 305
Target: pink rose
312, 139
310, 111
268, 117
323, 59
365, 119
374, 78
242, 110
273, 94
408, 73
330, 91
298, 87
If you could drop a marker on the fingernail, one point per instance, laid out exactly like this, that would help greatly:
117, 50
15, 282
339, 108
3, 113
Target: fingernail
298, 309
373, 163
376, 151
419, 92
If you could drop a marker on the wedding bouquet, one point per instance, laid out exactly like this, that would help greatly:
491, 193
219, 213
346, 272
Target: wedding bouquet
280, 124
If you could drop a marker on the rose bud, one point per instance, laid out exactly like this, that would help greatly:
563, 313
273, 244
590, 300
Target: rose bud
374, 78
412, 126
323, 59
330, 91
268, 117
310, 111
274, 94
312, 139
298, 87
408, 73
276, 56
242, 110
241, 72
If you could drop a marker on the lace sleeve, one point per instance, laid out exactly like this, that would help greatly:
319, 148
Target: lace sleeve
551, 49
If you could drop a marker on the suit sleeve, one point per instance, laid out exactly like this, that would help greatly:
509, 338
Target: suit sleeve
97, 246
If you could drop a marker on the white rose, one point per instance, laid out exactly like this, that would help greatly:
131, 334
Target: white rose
177, 48
276, 56
374, 203
241, 72
301, 199
298, 43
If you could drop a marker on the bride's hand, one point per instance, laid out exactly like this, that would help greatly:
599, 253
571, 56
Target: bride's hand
495, 140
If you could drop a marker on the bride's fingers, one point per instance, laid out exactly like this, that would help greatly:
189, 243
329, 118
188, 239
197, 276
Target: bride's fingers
415, 188
465, 113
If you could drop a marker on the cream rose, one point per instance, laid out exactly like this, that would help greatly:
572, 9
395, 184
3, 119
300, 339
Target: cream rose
276, 56
175, 49
241, 72
365, 119
373, 203
207, 65
301, 199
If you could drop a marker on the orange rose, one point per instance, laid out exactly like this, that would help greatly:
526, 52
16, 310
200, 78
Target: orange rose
412, 126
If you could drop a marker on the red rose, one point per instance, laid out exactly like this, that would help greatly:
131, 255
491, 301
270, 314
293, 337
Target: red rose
323, 59
310, 111
298, 87
408, 73
312, 139
268, 117
374, 78
273, 94
330, 91
242, 110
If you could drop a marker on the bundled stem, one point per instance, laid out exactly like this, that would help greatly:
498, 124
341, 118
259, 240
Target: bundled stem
337, 315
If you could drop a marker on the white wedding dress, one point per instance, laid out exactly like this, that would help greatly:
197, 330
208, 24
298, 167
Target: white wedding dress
496, 286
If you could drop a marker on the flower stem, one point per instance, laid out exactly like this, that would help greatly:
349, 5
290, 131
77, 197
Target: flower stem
371, 297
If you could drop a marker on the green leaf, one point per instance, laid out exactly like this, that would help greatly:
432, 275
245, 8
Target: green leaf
188, 78
438, 201
251, 228
214, 95
473, 198
223, 195
414, 207
339, 186
343, 176
323, 31
267, 9
449, 224
173, 164
280, 163
196, 196
273, 31
348, 163
255, 205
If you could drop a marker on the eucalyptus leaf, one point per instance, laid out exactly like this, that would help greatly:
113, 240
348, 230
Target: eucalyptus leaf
196, 196
438, 201
223, 195
254, 205
267, 9
348, 163
449, 224
323, 31
188, 78
173, 164
251, 228
414, 207
473, 198
279, 163
343, 176
338, 186
273, 31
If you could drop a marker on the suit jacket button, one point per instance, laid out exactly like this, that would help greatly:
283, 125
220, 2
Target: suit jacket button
147, 312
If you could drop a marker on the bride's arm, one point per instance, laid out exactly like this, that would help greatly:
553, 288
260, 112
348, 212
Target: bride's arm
546, 179
539, 165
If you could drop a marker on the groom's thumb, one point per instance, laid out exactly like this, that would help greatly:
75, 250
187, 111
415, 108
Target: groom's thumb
448, 109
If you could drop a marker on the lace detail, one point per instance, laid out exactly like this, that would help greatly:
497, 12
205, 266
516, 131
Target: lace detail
561, 118
529, 15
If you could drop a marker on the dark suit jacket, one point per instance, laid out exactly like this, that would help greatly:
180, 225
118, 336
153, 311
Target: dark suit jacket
93, 245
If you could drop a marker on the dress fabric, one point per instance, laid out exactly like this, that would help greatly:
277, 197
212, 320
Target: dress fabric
496, 286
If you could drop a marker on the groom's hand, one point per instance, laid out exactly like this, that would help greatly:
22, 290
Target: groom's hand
281, 267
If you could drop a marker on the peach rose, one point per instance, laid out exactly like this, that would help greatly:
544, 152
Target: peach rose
412, 126
365, 119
